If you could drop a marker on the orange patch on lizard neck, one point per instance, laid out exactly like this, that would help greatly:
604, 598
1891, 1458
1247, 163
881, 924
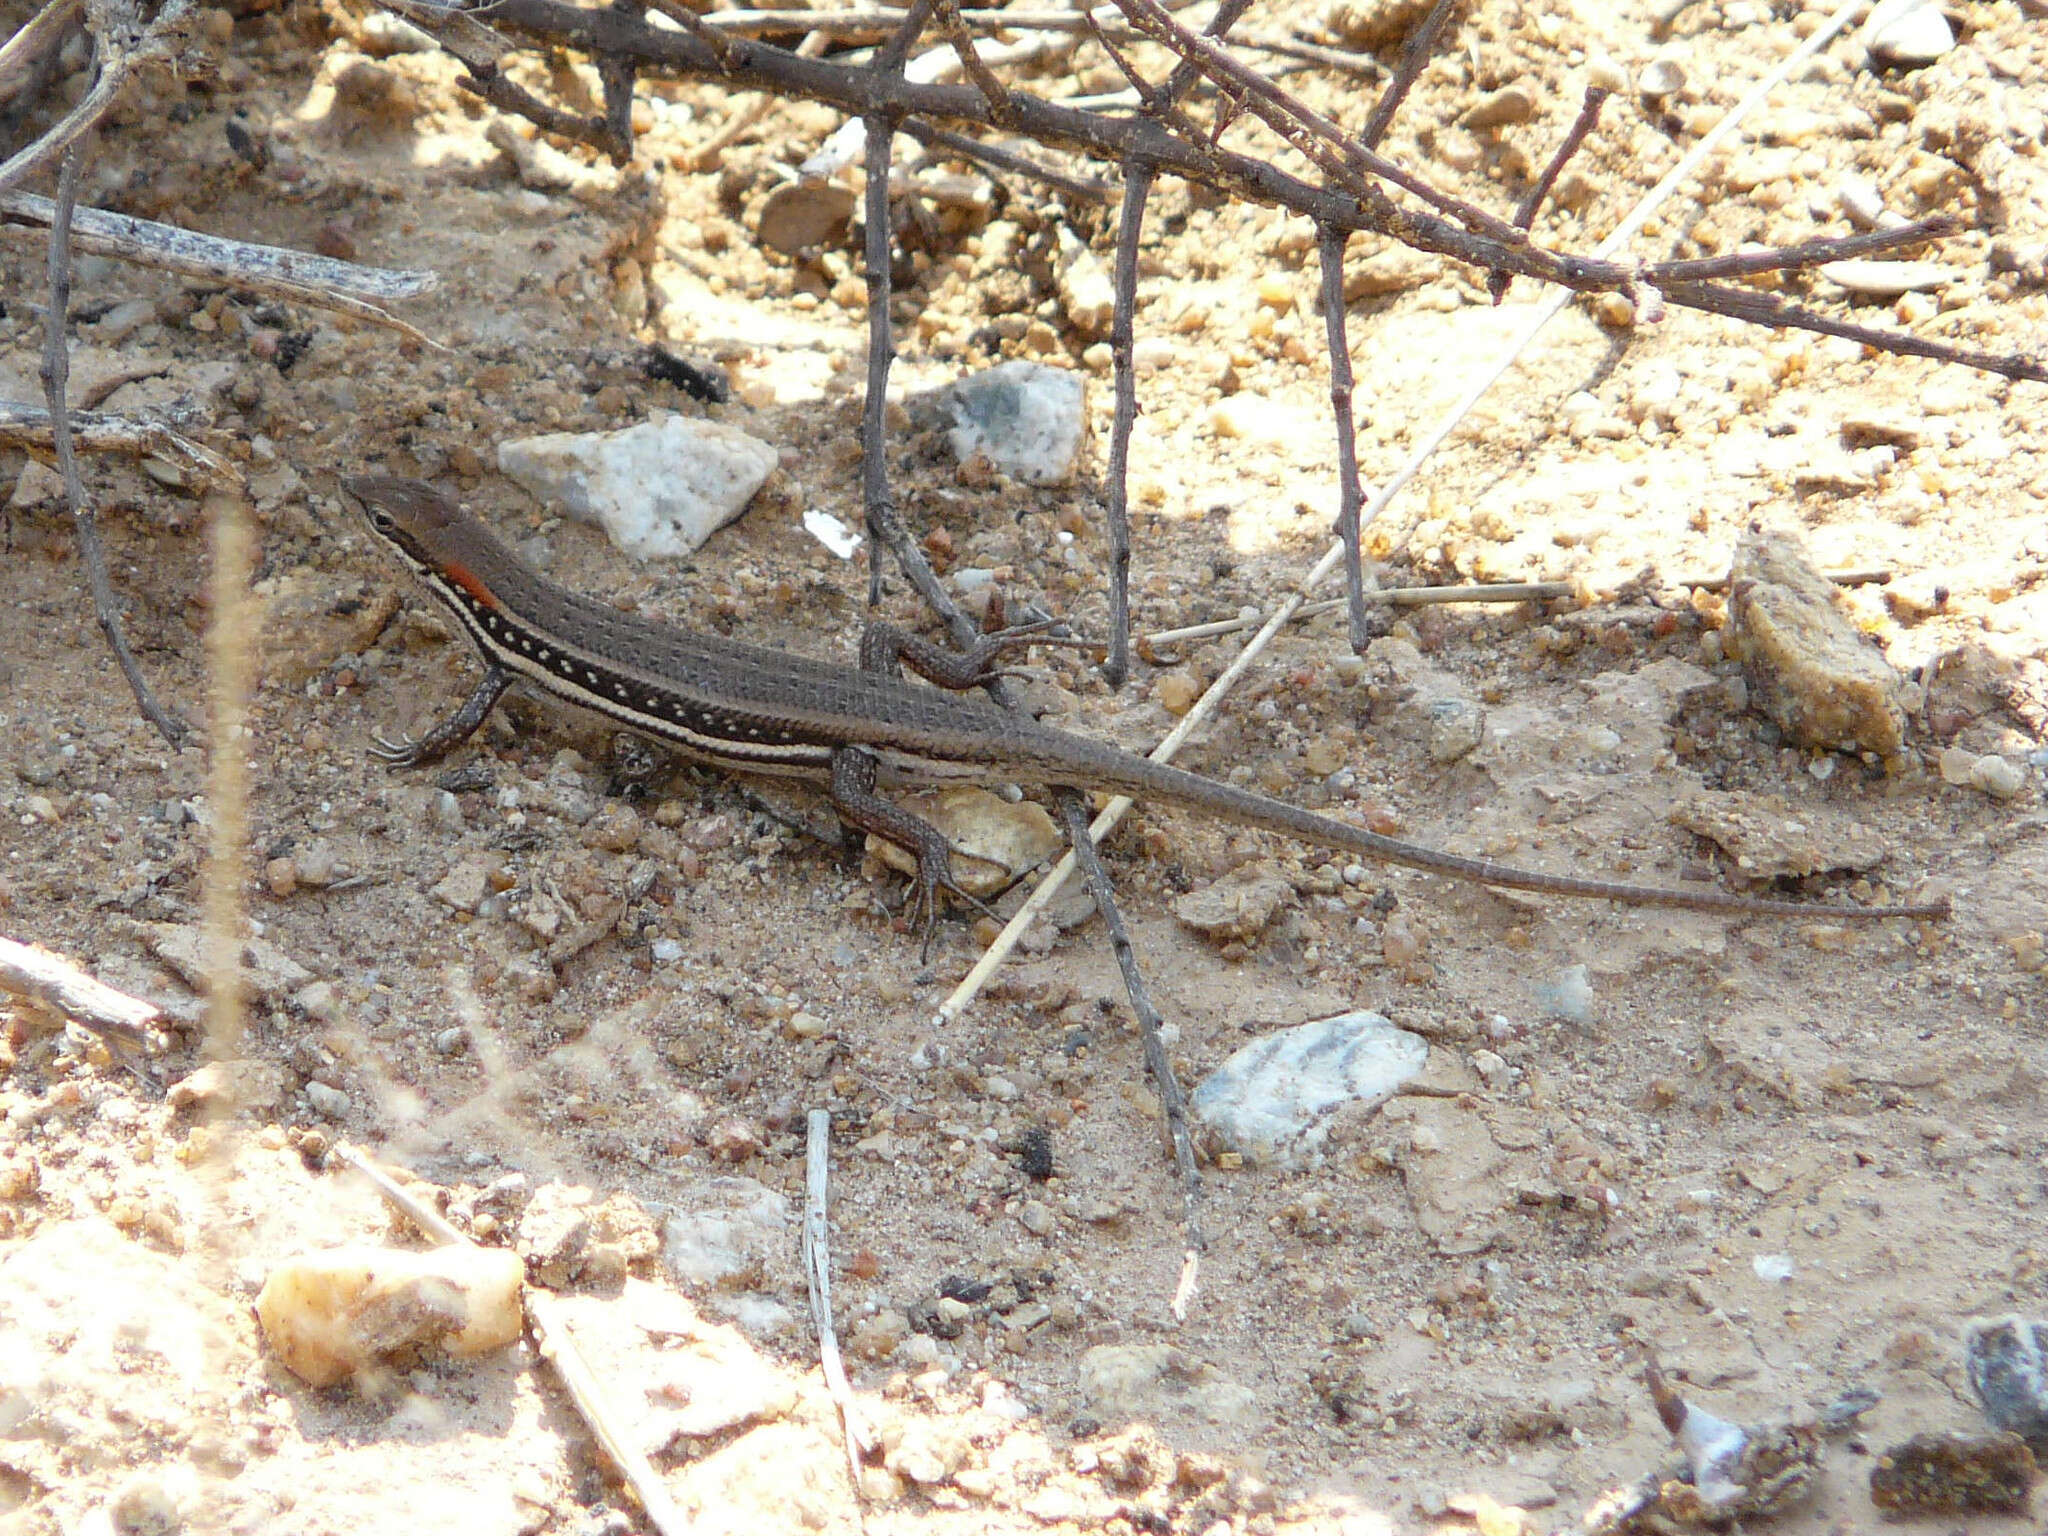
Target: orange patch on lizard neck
463, 577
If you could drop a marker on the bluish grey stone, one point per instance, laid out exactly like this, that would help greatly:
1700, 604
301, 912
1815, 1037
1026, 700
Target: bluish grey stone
1271, 1102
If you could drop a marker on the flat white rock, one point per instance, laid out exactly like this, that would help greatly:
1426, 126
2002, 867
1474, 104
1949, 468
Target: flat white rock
1271, 1102
659, 489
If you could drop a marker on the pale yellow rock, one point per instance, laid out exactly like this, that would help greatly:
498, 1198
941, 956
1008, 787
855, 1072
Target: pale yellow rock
330, 1315
993, 840
1807, 666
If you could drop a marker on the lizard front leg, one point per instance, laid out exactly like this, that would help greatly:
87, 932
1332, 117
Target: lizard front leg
408, 751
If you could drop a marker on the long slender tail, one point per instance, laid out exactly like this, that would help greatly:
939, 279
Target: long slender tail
1142, 778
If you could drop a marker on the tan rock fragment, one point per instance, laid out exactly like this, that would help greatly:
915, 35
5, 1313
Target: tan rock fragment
1807, 666
993, 840
1239, 905
1768, 839
330, 1315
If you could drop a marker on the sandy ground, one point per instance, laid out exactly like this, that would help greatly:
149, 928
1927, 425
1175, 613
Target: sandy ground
1788, 1158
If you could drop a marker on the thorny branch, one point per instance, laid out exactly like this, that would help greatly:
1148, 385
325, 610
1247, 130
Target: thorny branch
1469, 234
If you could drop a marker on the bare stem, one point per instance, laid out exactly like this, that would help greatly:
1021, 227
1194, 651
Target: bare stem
56, 372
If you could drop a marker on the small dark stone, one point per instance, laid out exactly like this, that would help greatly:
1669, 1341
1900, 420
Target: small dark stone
709, 385
960, 1288
246, 145
1085, 1428
468, 778
2007, 1359
291, 347
1035, 1153
1954, 1473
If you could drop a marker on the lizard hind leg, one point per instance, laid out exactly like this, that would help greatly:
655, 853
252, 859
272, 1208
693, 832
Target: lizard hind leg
854, 797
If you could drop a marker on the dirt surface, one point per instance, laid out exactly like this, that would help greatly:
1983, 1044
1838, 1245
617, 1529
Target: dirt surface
1790, 1158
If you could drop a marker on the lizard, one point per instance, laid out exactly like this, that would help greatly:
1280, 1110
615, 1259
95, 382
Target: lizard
756, 709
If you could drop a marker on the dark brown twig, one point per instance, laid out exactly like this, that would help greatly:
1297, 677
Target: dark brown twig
993, 90
1415, 53
56, 373
1139, 173
1770, 310
1525, 215
859, 90
697, 26
1173, 1102
874, 469
1808, 253
487, 82
1330, 244
1091, 189
1116, 664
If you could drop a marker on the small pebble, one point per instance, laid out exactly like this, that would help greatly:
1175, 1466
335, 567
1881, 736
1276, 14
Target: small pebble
1176, 691
1860, 201
281, 877
1934, 1474
1907, 34
1661, 78
329, 1102
1500, 109
1400, 940
1997, 777
1149, 354
1888, 279
1275, 290
1567, 995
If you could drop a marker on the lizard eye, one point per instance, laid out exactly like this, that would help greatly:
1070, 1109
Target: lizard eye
381, 521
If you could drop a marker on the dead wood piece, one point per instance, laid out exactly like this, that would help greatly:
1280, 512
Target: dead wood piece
1173, 1099
30, 426
27, 57
49, 981
120, 49
270, 269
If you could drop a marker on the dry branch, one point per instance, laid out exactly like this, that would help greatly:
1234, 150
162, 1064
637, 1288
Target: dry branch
56, 374
281, 273
95, 432
51, 982
27, 57
1460, 231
